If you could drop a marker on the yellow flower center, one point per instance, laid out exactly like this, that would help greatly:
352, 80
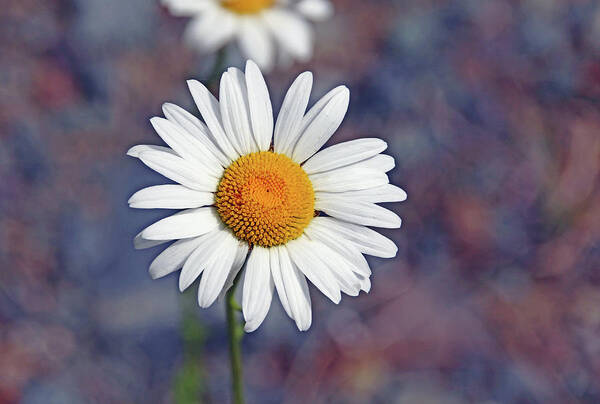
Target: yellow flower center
265, 198
247, 6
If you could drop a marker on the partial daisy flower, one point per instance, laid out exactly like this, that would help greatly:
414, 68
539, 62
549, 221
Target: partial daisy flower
258, 26
252, 186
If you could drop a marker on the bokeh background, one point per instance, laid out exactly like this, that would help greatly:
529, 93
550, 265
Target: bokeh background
491, 109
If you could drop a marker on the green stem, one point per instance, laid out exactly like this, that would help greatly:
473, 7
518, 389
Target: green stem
218, 67
190, 382
236, 333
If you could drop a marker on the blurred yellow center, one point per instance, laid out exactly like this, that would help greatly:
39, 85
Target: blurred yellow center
265, 198
247, 6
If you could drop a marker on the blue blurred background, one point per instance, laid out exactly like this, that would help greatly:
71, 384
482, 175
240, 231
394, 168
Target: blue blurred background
491, 110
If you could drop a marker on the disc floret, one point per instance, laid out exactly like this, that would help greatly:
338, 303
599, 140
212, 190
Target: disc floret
265, 198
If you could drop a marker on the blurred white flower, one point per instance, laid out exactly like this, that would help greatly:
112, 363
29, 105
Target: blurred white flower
258, 26
251, 185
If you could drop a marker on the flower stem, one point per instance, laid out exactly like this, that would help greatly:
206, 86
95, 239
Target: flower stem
218, 67
190, 382
236, 332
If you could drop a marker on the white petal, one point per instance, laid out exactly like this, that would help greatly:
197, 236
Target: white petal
261, 110
187, 146
318, 107
381, 162
291, 113
233, 101
316, 10
170, 196
258, 288
317, 232
173, 257
184, 8
293, 33
302, 252
365, 213
209, 108
184, 224
349, 178
240, 258
292, 288
340, 267
365, 284
277, 279
217, 267
179, 170
210, 30
383, 193
140, 243
203, 255
196, 128
322, 127
256, 42
367, 240
343, 154
135, 151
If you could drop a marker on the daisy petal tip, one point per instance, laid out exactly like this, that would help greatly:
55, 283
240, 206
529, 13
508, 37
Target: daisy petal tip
383, 143
133, 151
139, 243
194, 85
395, 222
403, 196
251, 65
154, 273
345, 94
155, 119
251, 326
366, 285
339, 91
157, 125
303, 327
146, 234
306, 76
205, 303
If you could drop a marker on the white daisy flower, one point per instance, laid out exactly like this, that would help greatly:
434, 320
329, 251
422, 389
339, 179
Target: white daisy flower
258, 26
250, 185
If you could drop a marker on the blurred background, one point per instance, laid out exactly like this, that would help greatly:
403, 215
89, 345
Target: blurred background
491, 110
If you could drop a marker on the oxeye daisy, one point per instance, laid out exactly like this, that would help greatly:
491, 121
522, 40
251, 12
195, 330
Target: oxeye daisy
258, 190
258, 25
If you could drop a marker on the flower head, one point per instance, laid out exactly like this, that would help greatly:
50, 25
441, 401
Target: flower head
258, 26
259, 191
